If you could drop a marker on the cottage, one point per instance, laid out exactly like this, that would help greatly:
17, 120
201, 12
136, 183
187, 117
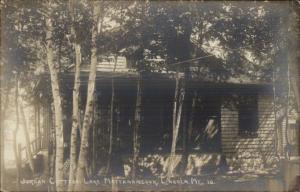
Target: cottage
227, 125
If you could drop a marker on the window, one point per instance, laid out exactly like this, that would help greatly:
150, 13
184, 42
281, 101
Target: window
248, 116
293, 132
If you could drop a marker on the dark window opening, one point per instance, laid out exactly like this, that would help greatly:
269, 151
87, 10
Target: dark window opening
248, 116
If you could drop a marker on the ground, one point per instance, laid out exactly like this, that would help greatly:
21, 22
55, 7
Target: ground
280, 181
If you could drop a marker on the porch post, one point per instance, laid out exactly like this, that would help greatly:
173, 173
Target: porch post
136, 127
185, 124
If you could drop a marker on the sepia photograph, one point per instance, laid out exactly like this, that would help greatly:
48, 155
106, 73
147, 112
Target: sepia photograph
100, 95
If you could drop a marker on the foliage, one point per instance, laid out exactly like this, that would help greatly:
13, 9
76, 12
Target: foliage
240, 38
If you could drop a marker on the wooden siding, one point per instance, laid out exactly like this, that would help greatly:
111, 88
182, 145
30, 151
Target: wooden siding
263, 143
108, 65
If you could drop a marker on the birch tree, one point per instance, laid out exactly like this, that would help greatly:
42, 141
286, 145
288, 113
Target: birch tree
57, 100
76, 114
15, 133
177, 110
294, 68
82, 159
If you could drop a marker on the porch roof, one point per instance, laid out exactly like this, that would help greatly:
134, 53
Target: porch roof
171, 75
159, 81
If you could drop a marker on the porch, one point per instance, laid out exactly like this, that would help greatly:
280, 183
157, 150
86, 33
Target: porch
210, 122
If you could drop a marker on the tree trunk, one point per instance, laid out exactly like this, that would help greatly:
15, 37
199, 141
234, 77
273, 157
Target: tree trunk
57, 99
294, 65
76, 113
111, 131
179, 98
278, 137
27, 138
287, 113
94, 137
75, 119
175, 102
191, 119
40, 139
188, 128
170, 169
2, 136
136, 127
17, 158
82, 159
111, 127
294, 70
296, 91
52, 164
35, 130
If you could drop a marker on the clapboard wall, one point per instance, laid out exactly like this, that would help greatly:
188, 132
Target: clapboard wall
263, 143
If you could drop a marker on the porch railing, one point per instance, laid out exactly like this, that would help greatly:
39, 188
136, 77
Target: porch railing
36, 146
